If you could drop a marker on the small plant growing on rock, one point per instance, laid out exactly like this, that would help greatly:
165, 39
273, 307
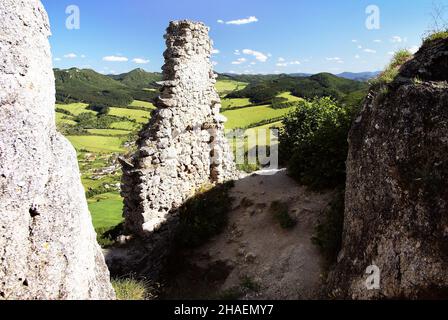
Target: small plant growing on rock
280, 211
131, 289
391, 72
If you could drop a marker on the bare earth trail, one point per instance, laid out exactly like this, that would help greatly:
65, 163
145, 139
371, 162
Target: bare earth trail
254, 254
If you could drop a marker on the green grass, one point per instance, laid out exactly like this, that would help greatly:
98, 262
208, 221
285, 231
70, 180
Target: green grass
64, 119
235, 103
97, 144
108, 132
129, 289
138, 115
436, 36
392, 70
106, 210
75, 108
124, 125
289, 96
243, 118
143, 104
226, 86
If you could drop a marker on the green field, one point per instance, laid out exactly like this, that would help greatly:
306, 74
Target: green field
64, 119
289, 96
142, 104
242, 118
106, 210
97, 144
234, 103
75, 108
108, 132
137, 115
226, 86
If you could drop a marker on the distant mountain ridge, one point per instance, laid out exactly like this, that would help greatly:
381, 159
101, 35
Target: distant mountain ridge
89, 86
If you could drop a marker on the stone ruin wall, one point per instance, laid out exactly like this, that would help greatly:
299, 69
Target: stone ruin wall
183, 147
48, 247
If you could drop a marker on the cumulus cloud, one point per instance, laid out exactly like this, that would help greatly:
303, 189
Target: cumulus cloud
369, 51
215, 51
70, 56
239, 61
258, 55
281, 59
398, 39
237, 52
377, 41
282, 64
335, 59
57, 59
140, 61
115, 59
238, 22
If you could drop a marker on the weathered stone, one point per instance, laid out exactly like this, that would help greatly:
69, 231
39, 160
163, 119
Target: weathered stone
48, 247
397, 202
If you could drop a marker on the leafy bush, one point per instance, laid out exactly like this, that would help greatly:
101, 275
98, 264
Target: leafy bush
101, 109
436, 36
204, 216
313, 142
280, 210
329, 232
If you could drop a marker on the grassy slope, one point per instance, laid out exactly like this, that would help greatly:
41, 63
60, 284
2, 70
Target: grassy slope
242, 118
98, 144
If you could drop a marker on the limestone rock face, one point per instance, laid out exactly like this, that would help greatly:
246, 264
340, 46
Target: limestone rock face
48, 247
397, 190
183, 147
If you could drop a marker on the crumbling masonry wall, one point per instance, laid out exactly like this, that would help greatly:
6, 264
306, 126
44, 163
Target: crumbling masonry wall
183, 147
48, 247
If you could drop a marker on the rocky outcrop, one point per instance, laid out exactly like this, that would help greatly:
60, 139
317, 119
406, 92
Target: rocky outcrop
397, 190
183, 147
48, 246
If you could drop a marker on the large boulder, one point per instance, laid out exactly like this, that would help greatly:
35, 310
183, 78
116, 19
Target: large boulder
48, 247
396, 218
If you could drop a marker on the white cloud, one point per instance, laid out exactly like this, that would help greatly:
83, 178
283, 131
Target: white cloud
57, 59
357, 56
335, 59
281, 59
237, 52
215, 51
248, 20
282, 64
297, 62
369, 51
253, 63
83, 56
398, 39
70, 56
115, 59
391, 53
239, 61
258, 55
140, 61
214, 63
377, 41
355, 41
359, 47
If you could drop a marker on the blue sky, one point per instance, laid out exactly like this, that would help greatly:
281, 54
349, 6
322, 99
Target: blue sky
252, 36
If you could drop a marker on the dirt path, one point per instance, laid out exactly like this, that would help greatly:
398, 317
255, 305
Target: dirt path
254, 255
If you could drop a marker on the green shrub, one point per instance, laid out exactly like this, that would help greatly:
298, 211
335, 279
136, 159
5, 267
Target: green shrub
106, 237
313, 142
280, 211
130, 289
328, 235
204, 216
249, 284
